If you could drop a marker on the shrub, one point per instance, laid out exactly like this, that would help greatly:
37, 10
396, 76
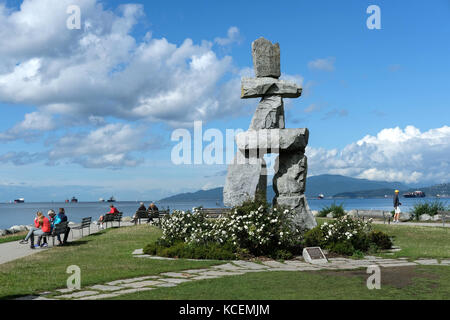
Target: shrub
191, 251
337, 210
380, 239
254, 227
347, 236
428, 207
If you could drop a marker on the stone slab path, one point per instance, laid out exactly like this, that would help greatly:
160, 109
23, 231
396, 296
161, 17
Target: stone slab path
171, 279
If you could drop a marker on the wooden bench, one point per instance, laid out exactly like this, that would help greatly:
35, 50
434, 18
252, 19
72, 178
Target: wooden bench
444, 215
58, 229
215, 212
159, 214
85, 223
112, 217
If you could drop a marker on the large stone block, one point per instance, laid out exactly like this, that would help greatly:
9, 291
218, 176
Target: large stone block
266, 58
269, 114
260, 87
245, 181
273, 140
290, 178
303, 217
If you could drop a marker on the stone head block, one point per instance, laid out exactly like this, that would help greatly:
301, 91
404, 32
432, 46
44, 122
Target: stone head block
266, 58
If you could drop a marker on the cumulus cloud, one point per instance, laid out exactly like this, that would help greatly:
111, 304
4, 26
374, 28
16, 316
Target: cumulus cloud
326, 64
233, 36
34, 124
102, 70
394, 154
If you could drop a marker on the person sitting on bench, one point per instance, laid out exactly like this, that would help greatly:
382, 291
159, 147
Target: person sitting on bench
152, 212
61, 217
139, 210
41, 228
113, 210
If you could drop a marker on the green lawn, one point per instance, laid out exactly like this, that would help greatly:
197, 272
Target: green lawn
424, 282
102, 257
106, 256
13, 237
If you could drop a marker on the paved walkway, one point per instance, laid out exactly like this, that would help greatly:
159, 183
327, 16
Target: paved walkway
10, 251
417, 224
171, 279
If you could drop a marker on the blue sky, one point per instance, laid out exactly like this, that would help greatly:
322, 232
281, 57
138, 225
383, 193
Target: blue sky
95, 108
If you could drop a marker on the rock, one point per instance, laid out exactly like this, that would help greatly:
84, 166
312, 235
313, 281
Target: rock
314, 212
71, 223
290, 176
2, 233
425, 217
127, 219
351, 213
436, 217
330, 215
245, 181
28, 227
261, 87
273, 140
266, 58
16, 229
269, 114
405, 216
303, 217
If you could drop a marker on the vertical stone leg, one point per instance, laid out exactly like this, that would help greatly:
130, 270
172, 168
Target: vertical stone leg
289, 184
245, 181
269, 114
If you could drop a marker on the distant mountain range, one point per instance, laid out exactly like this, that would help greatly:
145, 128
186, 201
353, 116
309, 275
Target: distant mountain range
326, 184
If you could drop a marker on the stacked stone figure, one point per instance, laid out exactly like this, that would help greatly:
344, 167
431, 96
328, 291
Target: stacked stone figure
247, 176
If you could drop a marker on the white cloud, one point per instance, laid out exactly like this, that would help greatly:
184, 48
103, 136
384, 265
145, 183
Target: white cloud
326, 64
102, 70
233, 36
30, 128
407, 155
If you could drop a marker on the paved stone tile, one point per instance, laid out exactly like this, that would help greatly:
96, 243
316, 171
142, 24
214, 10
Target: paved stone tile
205, 277
445, 262
427, 261
195, 270
249, 265
275, 264
113, 283
140, 284
166, 285
177, 274
146, 256
102, 287
65, 290
115, 294
174, 280
227, 266
78, 294
138, 251
398, 264
220, 273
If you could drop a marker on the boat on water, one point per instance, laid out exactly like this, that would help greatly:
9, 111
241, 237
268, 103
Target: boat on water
74, 200
20, 200
101, 200
321, 196
415, 194
111, 199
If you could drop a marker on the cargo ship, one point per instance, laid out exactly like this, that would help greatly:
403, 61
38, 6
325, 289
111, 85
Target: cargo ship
415, 194
20, 200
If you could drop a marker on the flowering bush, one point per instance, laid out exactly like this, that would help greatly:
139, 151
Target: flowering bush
252, 227
347, 235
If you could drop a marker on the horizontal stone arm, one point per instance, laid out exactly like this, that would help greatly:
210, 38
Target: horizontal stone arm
260, 87
273, 140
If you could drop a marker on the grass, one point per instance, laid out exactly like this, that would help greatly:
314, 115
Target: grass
102, 257
106, 256
424, 282
13, 237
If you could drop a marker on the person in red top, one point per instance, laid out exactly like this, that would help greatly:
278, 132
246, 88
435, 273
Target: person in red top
42, 227
113, 210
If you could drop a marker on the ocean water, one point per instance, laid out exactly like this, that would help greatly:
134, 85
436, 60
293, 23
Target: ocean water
24, 213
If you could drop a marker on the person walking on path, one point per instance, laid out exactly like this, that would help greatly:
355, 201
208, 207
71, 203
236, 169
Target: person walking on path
397, 205
41, 227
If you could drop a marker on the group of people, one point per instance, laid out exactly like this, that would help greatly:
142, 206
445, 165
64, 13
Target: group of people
151, 211
44, 226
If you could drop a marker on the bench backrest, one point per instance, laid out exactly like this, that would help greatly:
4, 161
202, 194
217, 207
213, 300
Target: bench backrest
60, 228
113, 217
141, 214
85, 222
